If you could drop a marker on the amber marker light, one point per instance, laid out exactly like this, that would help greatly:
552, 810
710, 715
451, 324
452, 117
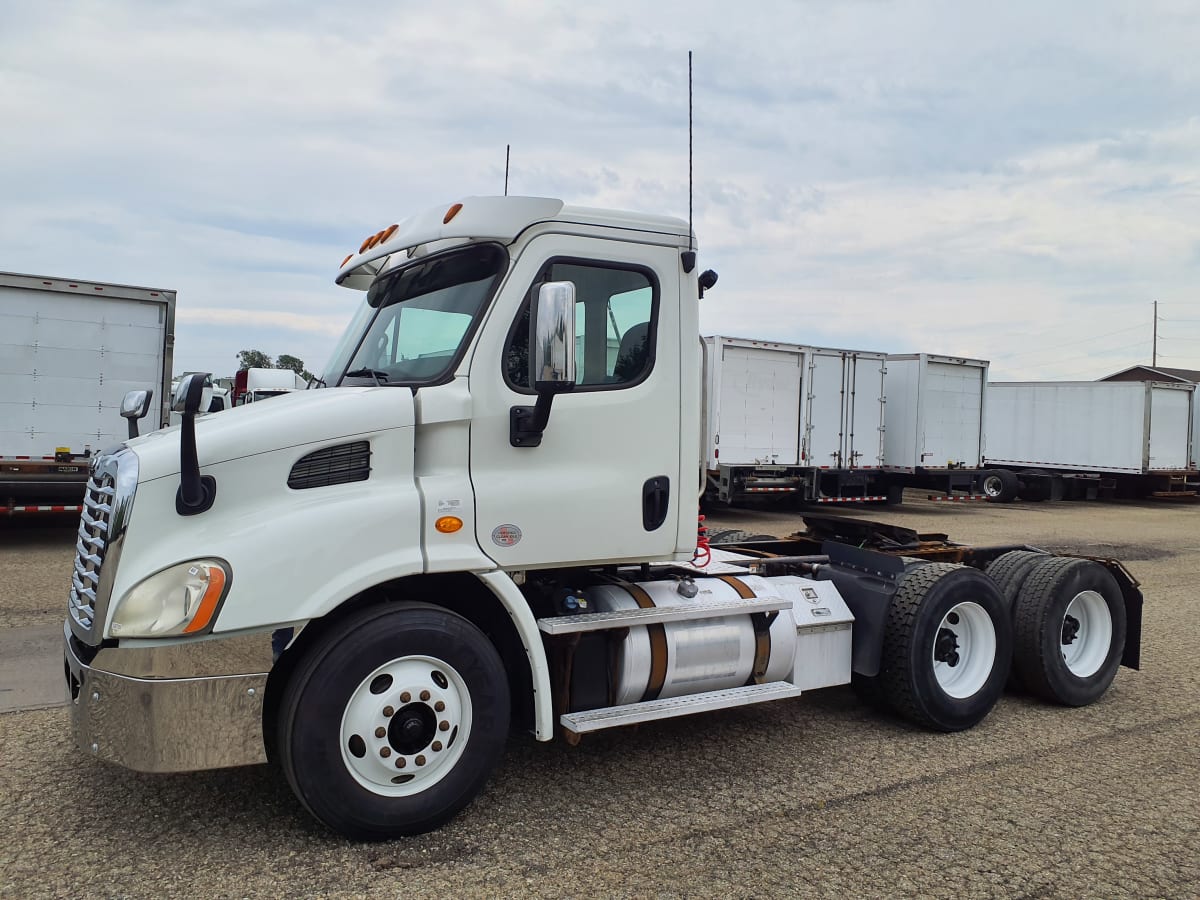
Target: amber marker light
388, 232
448, 524
451, 213
349, 256
208, 603
366, 244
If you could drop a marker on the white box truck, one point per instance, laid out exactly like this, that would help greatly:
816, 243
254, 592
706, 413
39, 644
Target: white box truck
495, 531
794, 420
69, 351
1092, 438
935, 437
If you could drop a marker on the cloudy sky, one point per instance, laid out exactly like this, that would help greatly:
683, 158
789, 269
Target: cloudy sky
1016, 182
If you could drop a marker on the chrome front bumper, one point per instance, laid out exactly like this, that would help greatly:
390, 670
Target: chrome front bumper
178, 708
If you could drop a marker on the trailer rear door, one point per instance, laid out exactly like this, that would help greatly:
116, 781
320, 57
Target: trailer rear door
952, 403
1170, 422
758, 408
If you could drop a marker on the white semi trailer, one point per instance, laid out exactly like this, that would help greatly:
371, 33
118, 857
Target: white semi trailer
794, 420
934, 435
69, 351
1093, 438
486, 519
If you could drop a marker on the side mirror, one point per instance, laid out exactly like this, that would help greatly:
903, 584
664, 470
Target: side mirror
134, 406
551, 360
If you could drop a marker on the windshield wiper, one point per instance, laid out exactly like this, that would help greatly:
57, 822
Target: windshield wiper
381, 377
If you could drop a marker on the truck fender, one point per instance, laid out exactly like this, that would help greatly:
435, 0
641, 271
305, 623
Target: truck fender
867, 582
506, 591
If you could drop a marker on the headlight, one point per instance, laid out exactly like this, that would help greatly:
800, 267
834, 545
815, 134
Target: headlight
180, 600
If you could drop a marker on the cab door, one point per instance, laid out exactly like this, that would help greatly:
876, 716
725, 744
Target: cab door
603, 485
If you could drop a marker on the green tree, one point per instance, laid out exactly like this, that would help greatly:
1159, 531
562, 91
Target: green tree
254, 359
285, 361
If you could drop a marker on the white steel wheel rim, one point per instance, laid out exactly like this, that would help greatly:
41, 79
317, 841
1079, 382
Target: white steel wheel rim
964, 650
1086, 634
405, 726
992, 486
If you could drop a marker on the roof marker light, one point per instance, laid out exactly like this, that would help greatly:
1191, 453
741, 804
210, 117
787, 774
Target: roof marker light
451, 213
388, 232
349, 256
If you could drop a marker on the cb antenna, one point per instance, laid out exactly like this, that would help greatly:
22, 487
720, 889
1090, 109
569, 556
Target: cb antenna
689, 257
507, 149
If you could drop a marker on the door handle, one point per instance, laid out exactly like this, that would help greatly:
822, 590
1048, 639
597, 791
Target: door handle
656, 498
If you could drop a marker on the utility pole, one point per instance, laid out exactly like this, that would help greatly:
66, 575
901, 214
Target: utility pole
1154, 351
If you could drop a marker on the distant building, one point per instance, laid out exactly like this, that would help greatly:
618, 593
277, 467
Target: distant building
1155, 373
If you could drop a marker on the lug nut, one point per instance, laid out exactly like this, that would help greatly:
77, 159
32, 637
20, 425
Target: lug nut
385, 752
405, 697
424, 695
380, 731
437, 745
388, 712
443, 726
400, 762
420, 760
439, 706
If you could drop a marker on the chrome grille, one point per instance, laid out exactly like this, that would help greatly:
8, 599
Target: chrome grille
94, 523
107, 503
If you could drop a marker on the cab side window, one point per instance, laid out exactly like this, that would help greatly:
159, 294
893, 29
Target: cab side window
615, 317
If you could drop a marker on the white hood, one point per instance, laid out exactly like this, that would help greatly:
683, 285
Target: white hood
292, 420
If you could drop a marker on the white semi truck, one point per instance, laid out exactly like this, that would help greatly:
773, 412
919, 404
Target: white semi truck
69, 351
486, 519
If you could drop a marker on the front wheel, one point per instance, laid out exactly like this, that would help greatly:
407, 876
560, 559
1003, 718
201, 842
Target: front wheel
393, 720
947, 647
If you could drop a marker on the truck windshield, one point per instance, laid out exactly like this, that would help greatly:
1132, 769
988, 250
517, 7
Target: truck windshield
417, 320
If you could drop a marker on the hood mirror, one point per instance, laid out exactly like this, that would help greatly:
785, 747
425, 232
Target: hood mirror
196, 493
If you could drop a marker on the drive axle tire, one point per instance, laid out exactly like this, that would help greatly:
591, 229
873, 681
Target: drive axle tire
393, 720
1001, 486
1009, 571
947, 647
1069, 631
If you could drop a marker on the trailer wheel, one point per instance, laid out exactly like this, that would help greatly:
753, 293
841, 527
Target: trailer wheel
1000, 486
1070, 631
947, 647
393, 721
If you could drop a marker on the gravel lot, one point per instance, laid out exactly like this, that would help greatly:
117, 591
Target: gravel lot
811, 797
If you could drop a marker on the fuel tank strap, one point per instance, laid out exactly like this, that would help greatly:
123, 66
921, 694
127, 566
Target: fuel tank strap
762, 630
738, 585
658, 641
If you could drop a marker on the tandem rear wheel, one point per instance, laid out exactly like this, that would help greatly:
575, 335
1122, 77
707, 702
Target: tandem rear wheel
947, 646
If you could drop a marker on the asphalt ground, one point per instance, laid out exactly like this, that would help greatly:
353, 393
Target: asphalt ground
817, 796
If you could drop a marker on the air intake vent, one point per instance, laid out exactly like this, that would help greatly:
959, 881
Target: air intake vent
333, 465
